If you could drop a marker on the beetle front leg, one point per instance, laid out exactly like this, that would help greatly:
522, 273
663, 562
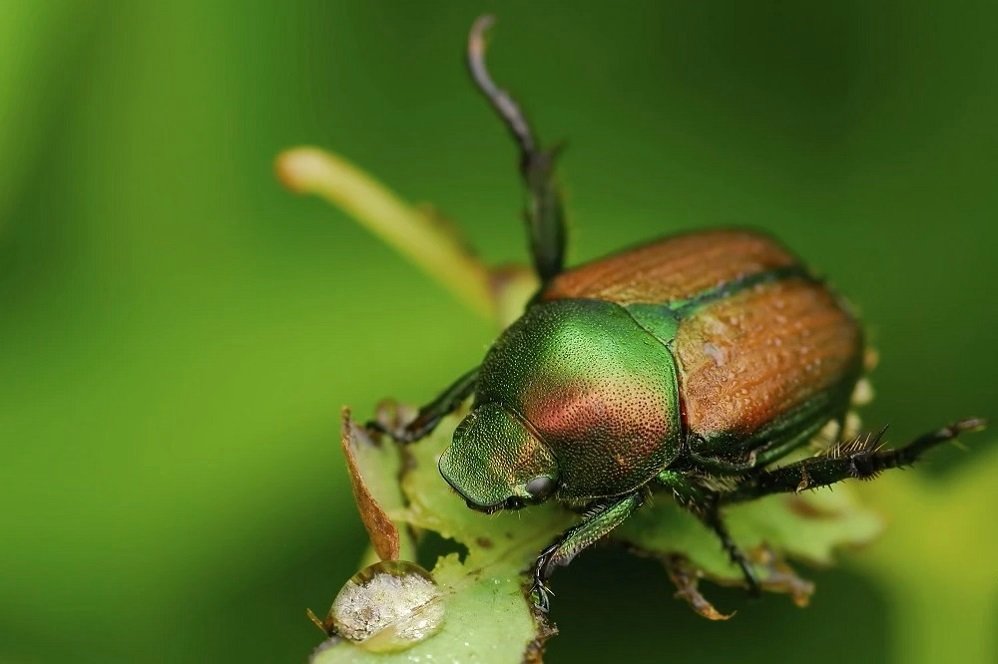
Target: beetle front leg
429, 416
545, 211
597, 523
862, 458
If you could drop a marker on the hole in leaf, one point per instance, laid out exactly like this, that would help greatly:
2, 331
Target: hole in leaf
432, 546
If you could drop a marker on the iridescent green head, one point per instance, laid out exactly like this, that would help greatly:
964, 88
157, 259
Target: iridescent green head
495, 462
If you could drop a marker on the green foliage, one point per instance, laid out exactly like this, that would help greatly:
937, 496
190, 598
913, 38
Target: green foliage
177, 333
939, 560
488, 612
487, 617
809, 526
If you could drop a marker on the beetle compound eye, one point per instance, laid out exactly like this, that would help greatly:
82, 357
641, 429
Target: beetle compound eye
540, 487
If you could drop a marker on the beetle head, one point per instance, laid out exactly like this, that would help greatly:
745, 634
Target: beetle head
495, 462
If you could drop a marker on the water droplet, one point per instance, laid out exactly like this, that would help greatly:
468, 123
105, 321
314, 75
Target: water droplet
388, 606
716, 353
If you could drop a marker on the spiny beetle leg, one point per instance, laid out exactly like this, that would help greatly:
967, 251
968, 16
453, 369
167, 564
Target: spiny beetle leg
429, 416
545, 211
861, 458
704, 503
597, 522
712, 518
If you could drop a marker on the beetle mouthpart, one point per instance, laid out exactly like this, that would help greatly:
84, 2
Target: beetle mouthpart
514, 503
491, 509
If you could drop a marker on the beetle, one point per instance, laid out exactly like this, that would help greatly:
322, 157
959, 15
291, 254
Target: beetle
693, 364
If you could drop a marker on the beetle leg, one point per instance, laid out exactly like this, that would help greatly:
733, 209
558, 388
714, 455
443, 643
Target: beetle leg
545, 211
596, 523
704, 503
429, 416
861, 458
712, 518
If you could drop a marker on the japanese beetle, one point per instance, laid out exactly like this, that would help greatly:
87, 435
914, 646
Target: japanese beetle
691, 364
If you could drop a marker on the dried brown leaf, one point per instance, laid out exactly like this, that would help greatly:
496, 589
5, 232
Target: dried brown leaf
372, 497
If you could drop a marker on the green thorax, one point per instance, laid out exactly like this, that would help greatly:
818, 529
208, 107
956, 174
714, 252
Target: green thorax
595, 386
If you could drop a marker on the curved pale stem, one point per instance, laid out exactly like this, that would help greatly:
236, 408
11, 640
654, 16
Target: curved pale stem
412, 232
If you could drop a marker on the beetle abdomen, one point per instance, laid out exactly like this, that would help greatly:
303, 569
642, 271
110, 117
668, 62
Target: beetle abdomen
672, 269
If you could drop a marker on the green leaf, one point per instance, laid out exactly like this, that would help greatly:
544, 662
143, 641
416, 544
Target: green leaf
806, 527
488, 615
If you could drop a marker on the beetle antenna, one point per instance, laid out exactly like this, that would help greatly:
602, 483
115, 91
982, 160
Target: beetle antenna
545, 215
507, 108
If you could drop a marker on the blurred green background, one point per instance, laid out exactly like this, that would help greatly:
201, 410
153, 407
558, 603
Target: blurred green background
177, 333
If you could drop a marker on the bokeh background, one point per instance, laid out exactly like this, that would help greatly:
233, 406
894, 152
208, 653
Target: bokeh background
178, 333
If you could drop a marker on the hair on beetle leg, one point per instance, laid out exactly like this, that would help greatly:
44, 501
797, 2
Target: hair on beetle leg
829, 434
863, 444
955, 442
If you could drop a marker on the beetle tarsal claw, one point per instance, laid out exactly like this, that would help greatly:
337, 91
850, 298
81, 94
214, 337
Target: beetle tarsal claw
540, 594
539, 591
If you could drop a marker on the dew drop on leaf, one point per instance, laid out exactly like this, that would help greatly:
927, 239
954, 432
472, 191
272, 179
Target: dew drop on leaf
388, 606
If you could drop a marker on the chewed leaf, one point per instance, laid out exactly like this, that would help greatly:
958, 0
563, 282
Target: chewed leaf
779, 577
433, 505
807, 527
687, 579
485, 619
487, 615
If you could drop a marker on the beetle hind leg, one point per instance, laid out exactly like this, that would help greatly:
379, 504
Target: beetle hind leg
860, 458
712, 518
705, 504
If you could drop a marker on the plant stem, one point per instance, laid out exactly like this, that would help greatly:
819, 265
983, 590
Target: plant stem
412, 232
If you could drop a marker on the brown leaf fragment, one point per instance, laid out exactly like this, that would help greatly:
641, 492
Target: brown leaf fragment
325, 626
383, 532
781, 578
686, 580
545, 629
